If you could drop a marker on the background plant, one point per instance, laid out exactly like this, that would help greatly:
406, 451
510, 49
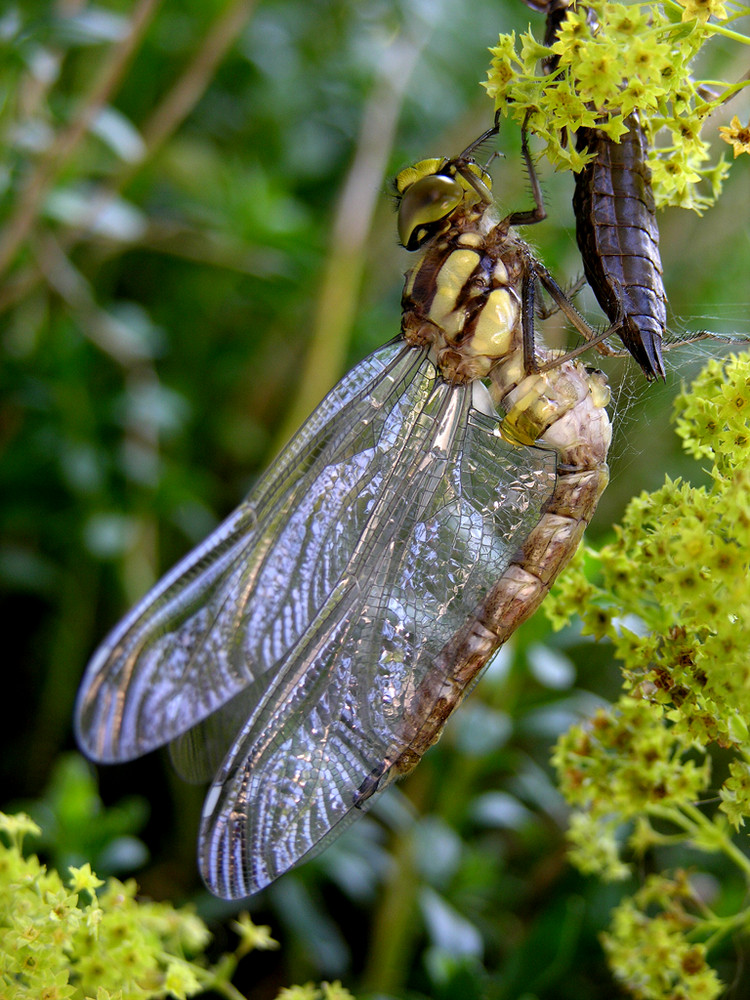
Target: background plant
614, 59
82, 937
673, 599
197, 242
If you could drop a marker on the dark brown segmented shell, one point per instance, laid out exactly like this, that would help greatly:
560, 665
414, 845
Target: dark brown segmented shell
618, 238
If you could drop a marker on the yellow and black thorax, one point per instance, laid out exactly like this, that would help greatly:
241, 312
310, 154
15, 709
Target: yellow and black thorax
463, 296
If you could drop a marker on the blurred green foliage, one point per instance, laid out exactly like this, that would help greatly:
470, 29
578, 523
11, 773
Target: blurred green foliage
196, 240
77, 828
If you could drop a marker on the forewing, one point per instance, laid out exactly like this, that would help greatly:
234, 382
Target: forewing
440, 508
236, 606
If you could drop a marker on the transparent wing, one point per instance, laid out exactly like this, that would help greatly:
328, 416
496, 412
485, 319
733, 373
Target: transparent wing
430, 507
296, 634
236, 606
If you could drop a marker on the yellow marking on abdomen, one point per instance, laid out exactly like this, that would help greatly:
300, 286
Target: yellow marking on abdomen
534, 404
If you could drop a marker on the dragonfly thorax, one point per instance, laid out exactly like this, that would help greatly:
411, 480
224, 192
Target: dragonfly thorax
463, 296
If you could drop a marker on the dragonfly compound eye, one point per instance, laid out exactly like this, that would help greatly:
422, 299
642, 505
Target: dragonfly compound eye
427, 202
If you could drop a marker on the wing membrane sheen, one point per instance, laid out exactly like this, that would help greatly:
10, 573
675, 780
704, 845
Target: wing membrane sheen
178, 656
442, 505
289, 643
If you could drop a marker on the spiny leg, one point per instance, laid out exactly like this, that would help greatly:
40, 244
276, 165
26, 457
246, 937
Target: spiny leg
527, 320
544, 311
537, 213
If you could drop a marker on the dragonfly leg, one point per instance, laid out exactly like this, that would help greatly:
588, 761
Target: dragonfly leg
463, 161
544, 311
473, 146
564, 304
594, 338
537, 213
369, 786
527, 321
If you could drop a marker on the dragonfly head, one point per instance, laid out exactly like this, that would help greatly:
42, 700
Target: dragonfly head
431, 191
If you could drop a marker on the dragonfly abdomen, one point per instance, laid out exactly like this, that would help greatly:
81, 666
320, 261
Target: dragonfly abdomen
565, 408
513, 599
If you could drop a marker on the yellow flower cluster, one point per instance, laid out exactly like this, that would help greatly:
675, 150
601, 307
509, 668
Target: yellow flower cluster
673, 598
649, 948
613, 59
91, 940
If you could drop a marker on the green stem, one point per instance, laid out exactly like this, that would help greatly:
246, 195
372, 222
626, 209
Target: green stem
724, 926
395, 922
729, 93
726, 844
714, 28
227, 990
736, 36
690, 819
217, 978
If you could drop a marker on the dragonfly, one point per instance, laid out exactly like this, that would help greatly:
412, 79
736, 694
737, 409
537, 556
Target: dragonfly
312, 648
616, 228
